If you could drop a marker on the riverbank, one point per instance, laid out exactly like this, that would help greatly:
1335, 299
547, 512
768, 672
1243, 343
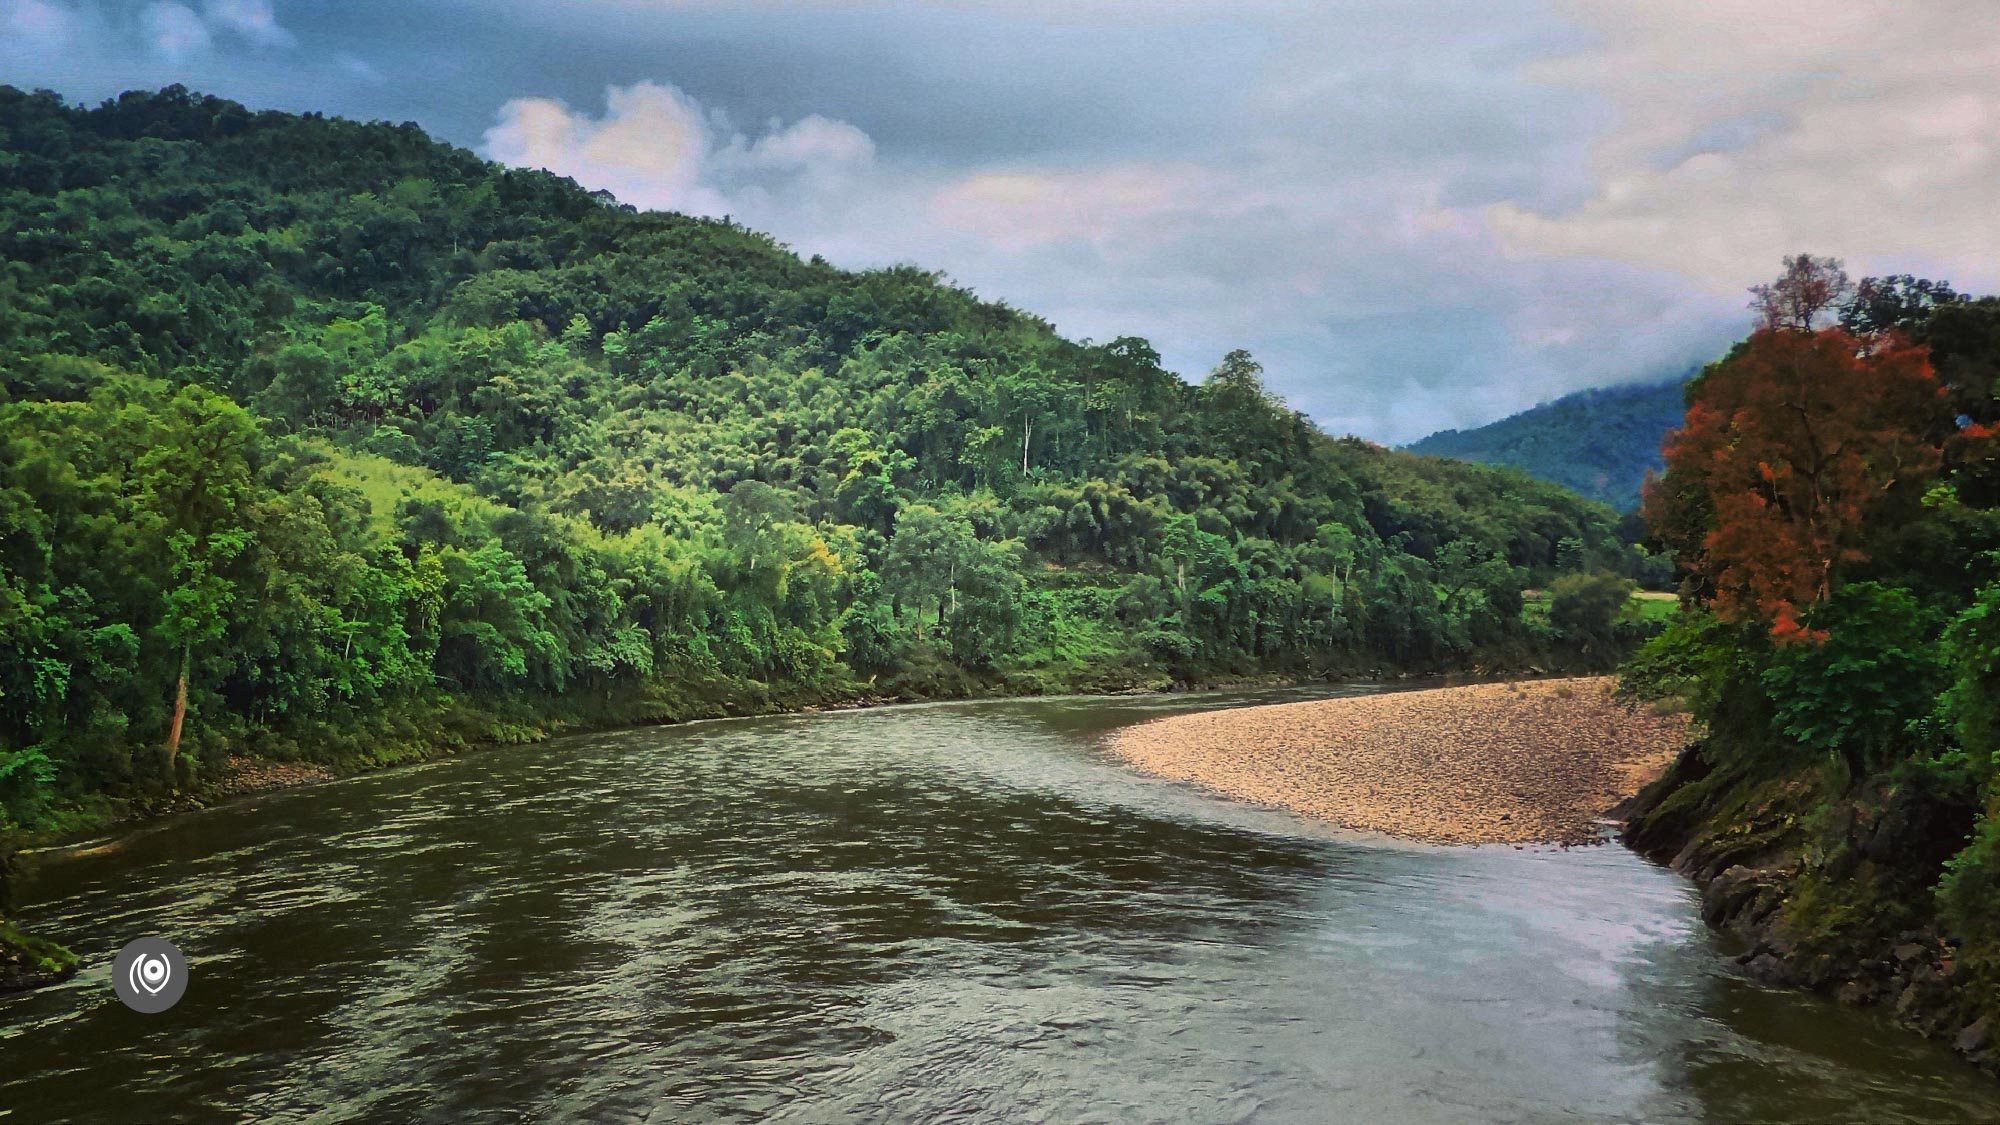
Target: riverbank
28, 960
405, 740
1506, 763
424, 730
1828, 887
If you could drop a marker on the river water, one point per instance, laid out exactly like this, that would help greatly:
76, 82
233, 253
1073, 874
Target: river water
954, 911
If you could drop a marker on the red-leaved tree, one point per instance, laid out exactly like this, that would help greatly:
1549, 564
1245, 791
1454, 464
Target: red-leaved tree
1792, 448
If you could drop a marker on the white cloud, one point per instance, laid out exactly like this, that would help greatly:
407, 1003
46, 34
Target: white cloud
649, 149
143, 44
656, 148
1379, 306
1018, 209
38, 25
174, 30
251, 19
1865, 128
813, 143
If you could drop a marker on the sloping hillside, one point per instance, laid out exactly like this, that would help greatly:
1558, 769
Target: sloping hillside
322, 438
1601, 442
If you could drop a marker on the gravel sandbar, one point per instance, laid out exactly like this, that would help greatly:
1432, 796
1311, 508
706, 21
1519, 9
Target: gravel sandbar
1535, 761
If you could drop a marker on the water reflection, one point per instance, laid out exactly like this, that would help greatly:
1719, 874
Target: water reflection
909, 913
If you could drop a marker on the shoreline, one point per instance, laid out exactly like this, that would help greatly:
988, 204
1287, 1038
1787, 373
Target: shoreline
29, 961
1753, 866
1518, 762
252, 776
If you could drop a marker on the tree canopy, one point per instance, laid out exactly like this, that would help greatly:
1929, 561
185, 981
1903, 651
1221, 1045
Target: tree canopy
367, 442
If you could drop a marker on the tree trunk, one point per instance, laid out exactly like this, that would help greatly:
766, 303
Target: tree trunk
180, 715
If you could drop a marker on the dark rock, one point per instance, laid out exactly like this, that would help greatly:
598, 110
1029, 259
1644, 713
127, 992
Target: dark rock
1763, 966
1660, 837
1972, 1039
1914, 827
1857, 994
1867, 852
1910, 1002
1740, 898
1821, 971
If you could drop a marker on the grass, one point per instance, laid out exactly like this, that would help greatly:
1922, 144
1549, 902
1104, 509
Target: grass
1653, 605
387, 484
1645, 605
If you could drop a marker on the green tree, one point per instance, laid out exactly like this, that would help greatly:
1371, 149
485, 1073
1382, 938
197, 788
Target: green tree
1586, 608
198, 604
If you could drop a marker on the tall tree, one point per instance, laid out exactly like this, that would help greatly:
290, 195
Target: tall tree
198, 603
1809, 289
1899, 301
1790, 444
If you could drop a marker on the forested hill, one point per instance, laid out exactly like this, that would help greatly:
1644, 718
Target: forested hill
357, 440
1601, 442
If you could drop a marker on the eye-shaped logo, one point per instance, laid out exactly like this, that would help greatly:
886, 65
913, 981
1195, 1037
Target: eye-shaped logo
149, 975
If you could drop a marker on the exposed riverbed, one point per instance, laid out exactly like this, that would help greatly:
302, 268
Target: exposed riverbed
1536, 761
906, 913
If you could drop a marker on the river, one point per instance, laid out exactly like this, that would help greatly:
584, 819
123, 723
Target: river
950, 911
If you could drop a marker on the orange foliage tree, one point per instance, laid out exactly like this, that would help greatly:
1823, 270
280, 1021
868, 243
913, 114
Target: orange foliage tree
1793, 447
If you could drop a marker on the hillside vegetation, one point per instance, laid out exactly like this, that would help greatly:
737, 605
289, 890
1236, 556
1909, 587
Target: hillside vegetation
1601, 442
1834, 500
326, 440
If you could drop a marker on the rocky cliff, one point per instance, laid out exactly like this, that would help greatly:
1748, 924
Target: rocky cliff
1832, 893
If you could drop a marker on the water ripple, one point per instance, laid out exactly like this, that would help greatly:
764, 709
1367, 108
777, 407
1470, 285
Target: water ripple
962, 912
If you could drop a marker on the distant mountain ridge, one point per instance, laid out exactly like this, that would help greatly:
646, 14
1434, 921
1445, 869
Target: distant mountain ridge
1600, 442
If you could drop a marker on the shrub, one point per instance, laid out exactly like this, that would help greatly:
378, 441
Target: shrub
1856, 692
1584, 608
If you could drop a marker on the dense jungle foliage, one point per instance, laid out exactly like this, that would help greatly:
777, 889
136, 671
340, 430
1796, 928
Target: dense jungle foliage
1601, 442
326, 439
1834, 498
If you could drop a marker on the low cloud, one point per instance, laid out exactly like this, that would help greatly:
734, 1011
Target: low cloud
39, 25
656, 148
648, 149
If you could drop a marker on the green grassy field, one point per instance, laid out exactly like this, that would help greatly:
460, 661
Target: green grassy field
1644, 606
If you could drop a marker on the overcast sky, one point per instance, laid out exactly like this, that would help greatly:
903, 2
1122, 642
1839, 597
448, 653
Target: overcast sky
1417, 215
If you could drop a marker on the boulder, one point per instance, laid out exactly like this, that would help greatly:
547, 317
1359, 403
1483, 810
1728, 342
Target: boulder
1973, 1038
